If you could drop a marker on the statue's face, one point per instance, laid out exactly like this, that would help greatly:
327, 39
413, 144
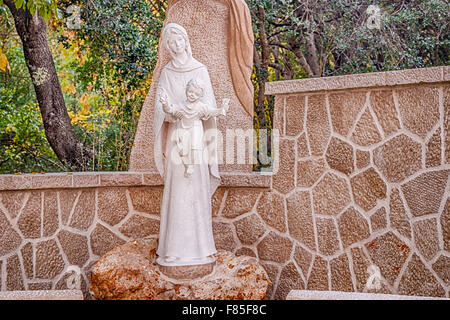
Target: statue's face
177, 44
193, 94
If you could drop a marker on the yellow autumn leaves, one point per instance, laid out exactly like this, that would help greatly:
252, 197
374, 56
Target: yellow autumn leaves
4, 63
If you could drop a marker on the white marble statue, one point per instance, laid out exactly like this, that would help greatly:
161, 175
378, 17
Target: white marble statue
186, 154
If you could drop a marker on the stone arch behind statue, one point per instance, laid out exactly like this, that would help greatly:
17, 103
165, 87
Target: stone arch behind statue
221, 37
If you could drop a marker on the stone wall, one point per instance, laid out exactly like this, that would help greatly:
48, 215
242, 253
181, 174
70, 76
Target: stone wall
50, 223
363, 180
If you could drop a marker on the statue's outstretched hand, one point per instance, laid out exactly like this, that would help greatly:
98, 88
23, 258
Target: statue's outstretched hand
164, 99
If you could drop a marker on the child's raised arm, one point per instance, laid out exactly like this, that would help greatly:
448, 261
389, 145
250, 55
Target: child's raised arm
221, 111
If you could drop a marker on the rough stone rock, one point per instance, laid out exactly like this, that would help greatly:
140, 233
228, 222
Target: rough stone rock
309, 171
383, 106
50, 223
223, 236
446, 146
389, 253
318, 278
366, 132
445, 225
103, 240
13, 201
27, 258
75, 246
303, 259
84, 212
442, 268
290, 279
368, 187
317, 125
283, 179
129, 272
49, 261
353, 227
29, 221
112, 205
278, 115
300, 219
362, 159
419, 108
239, 201
433, 155
378, 220
271, 210
340, 156
302, 147
424, 193
327, 236
14, 279
398, 217
146, 199
344, 109
341, 278
275, 248
398, 158
295, 110
331, 195
249, 229
417, 280
67, 199
426, 237
9, 240
140, 227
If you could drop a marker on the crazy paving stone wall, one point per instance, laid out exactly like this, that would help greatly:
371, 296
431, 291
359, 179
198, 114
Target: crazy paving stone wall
363, 179
54, 226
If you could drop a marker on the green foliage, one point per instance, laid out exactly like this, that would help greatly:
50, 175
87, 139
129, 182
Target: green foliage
116, 51
23, 146
121, 36
412, 34
45, 8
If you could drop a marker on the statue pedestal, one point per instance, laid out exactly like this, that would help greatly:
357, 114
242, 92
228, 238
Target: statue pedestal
130, 272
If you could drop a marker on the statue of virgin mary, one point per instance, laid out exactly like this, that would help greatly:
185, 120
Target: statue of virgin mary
186, 236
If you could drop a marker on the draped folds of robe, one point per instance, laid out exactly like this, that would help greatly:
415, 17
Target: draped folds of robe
186, 219
240, 50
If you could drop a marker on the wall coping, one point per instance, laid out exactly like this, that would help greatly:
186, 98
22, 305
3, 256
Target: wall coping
10, 182
42, 295
340, 295
362, 80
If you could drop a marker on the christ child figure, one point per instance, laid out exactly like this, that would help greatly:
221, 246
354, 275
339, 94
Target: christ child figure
189, 132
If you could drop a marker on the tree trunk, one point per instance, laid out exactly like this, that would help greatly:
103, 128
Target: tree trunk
57, 124
311, 55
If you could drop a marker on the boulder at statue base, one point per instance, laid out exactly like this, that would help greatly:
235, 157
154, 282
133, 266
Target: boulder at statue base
129, 272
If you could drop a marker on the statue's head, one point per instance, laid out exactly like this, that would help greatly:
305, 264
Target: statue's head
195, 90
176, 40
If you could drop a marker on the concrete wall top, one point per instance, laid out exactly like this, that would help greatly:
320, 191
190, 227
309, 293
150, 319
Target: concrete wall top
363, 80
